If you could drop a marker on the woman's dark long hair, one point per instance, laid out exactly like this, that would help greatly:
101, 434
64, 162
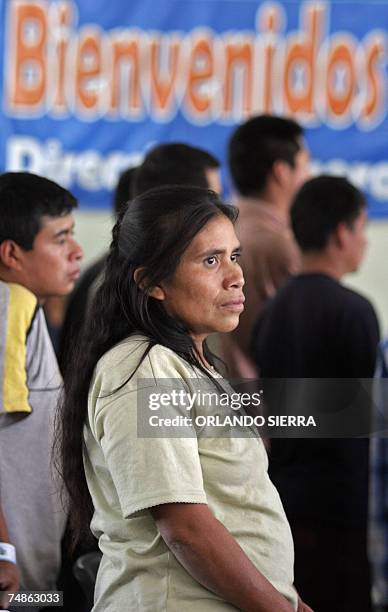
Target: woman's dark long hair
152, 234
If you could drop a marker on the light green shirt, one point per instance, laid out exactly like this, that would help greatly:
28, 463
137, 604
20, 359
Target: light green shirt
128, 474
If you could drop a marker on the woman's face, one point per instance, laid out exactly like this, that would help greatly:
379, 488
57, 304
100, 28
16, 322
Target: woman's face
206, 290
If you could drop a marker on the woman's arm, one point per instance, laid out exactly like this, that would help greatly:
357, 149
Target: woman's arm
212, 556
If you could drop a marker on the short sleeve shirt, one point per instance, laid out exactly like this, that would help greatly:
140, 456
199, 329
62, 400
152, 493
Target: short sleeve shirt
29, 388
127, 474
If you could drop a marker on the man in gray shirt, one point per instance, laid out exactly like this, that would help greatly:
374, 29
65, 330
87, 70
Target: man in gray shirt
39, 258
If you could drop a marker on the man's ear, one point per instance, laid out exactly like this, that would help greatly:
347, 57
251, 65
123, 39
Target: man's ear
341, 235
140, 279
281, 172
10, 255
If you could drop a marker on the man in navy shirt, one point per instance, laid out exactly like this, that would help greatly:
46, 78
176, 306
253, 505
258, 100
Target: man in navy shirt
317, 328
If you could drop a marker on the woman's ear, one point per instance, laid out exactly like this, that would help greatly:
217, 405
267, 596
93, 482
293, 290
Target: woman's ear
157, 293
140, 278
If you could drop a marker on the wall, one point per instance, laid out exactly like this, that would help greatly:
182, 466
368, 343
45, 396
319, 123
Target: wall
372, 279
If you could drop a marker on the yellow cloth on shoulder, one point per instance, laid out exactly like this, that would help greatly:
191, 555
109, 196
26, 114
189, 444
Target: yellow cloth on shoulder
18, 306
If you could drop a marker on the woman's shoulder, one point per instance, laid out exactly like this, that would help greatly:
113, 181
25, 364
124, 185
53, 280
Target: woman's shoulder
123, 353
133, 358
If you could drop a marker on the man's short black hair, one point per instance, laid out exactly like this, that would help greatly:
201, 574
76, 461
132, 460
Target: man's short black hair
24, 199
174, 164
124, 189
320, 206
254, 148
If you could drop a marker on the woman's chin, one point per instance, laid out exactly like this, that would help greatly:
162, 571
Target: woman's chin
229, 325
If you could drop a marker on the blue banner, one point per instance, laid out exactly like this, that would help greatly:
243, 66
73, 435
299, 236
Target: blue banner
89, 86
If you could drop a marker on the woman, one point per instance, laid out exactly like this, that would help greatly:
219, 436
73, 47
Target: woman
184, 524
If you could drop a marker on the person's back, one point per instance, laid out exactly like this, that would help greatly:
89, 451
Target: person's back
317, 329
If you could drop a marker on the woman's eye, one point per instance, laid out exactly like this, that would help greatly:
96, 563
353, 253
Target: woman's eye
211, 261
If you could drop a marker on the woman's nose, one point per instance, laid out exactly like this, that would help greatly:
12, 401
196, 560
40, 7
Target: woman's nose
235, 277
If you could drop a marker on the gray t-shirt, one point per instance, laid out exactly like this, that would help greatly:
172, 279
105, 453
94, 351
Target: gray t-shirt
29, 387
127, 474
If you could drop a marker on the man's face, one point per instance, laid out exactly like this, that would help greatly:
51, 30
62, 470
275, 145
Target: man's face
52, 266
355, 243
301, 170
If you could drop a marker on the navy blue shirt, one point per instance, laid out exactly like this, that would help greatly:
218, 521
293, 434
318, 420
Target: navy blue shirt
315, 327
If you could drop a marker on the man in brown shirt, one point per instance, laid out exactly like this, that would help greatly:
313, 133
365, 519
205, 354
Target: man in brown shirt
268, 162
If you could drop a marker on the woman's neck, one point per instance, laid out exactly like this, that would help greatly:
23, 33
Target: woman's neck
199, 343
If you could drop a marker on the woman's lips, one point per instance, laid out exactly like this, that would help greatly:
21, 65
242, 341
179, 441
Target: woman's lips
235, 305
